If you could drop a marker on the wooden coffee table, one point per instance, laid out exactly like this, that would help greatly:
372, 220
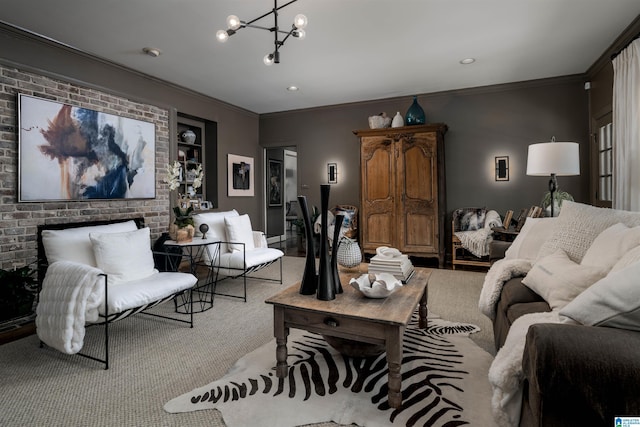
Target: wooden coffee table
352, 316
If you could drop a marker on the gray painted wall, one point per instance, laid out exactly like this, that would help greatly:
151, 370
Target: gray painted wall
483, 123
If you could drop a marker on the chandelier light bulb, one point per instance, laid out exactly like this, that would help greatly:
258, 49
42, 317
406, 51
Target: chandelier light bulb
301, 34
300, 21
222, 36
268, 59
233, 22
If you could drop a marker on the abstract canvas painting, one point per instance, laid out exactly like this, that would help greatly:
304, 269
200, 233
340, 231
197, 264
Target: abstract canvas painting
73, 153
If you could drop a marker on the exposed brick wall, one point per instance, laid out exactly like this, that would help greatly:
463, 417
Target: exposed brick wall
19, 221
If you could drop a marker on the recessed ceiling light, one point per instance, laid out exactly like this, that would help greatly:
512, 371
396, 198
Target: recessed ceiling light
152, 51
292, 88
467, 61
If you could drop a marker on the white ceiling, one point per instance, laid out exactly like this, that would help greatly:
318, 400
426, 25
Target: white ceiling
355, 50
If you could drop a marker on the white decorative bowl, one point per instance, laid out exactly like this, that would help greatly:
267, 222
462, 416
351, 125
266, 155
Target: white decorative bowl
379, 285
377, 122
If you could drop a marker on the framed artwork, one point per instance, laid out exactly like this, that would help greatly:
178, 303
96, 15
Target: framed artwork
240, 176
71, 153
275, 182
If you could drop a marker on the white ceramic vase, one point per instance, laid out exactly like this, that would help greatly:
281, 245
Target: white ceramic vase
398, 121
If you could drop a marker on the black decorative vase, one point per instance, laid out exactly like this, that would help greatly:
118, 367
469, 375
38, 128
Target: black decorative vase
309, 282
334, 254
326, 289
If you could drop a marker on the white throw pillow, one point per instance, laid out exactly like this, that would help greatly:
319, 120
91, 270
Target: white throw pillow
239, 231
627, 259
73, 244
613, 301
558, 279
611, 245
579, 225
532, 236
217, 227
124, 256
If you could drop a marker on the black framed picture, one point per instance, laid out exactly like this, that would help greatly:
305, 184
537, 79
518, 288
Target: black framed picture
239, 176
275, 182
73, 153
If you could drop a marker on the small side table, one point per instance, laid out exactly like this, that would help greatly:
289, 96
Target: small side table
203, 290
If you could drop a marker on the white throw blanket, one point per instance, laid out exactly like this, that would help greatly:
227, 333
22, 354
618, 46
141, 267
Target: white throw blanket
477, 241
505, 373
71, 295
500, 272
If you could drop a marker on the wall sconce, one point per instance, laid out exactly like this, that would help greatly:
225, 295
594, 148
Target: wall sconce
502, 168
332, 171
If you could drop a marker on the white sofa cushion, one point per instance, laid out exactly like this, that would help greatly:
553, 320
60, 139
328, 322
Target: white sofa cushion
73, 244
532, 236
238, 229
558, 279
613, 301
611, 245
578, 226
152, 288
217, 227
124, 256
259, 240
627, 259
234, 263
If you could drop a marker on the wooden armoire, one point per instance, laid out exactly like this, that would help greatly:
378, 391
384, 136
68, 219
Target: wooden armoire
402, 190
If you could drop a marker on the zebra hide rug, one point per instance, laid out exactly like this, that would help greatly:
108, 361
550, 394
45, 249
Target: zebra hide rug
444, 383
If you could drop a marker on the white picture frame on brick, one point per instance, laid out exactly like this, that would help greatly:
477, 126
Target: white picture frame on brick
240, 176
71, 153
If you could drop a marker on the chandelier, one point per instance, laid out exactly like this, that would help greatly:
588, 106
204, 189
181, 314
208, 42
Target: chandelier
297, 30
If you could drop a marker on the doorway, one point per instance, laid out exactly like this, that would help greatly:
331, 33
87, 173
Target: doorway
281, 166
291, 195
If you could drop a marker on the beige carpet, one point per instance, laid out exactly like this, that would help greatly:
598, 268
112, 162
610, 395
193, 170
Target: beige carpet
155, 360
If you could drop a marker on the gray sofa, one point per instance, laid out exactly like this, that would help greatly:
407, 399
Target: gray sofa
574, 374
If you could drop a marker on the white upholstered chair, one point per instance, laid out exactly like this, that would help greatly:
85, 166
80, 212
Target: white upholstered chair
98, 273
242, 251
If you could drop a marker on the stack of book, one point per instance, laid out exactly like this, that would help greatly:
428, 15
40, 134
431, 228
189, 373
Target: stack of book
400, 266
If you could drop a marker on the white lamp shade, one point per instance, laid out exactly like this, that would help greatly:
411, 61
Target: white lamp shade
560, 158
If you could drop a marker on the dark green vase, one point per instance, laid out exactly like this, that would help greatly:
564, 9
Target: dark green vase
415, 114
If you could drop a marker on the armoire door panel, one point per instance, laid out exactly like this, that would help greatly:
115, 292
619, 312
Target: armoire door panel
418, 168
377, 165
379, 230
419, 175
419, 233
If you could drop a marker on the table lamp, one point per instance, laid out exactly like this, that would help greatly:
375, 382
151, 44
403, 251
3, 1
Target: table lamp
553, 159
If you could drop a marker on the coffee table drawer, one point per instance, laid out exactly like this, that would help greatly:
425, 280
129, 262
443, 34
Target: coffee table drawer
329, 324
